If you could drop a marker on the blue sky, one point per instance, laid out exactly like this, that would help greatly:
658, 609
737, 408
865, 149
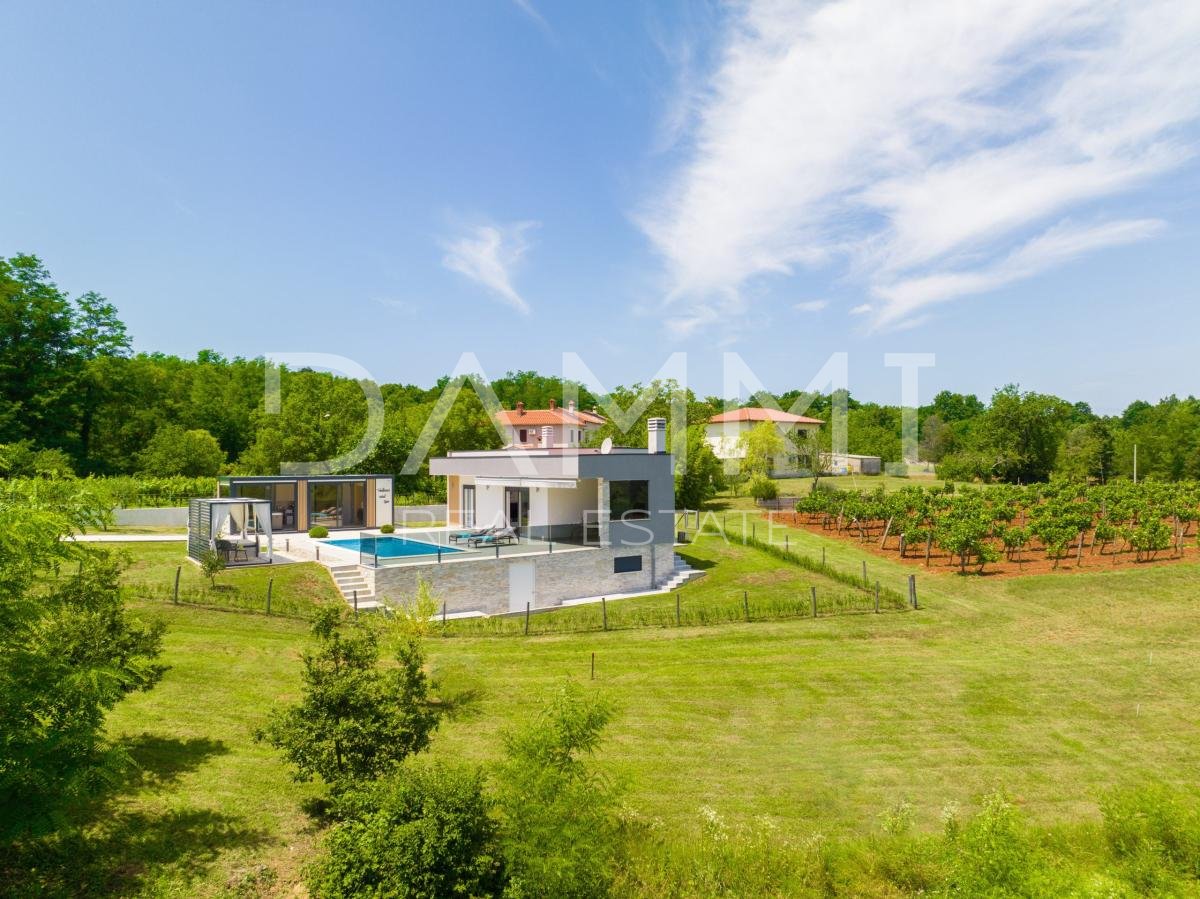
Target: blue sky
1012, 187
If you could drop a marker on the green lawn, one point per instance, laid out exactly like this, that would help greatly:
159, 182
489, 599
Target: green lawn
1055, 687
801, 486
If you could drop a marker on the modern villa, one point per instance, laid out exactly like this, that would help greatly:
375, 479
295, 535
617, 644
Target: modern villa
540, 523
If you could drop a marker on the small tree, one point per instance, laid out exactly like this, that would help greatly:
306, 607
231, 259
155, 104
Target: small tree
212, 563
558, 828
761, 446
355, 719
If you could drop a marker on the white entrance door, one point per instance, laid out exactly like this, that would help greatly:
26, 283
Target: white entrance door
520, 585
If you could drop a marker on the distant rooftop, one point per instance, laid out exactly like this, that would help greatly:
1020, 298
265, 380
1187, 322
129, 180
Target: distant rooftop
756, 413
555, 415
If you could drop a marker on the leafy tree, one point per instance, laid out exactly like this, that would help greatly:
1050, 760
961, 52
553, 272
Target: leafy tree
1022, 431
355, 720
702, 475
211, 564
39, 369
937, 438
1086, 453
559, 832
174, 451
428, 831
69, 652
761, 446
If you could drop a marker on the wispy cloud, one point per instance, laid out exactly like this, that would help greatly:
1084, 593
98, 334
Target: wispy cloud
489, 254
527, 7
932, 151
861, 309
812, 305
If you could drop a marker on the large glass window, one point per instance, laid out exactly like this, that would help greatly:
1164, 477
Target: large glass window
628, 500
337, 504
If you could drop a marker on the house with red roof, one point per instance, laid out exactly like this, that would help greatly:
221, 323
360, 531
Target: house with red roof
548, 428
725, 431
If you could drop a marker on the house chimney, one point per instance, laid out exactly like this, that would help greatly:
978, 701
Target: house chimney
553, 403
656, 439
571, 406
547, 436
520, 408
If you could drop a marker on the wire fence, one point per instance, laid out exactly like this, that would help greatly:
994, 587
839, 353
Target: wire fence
226, 597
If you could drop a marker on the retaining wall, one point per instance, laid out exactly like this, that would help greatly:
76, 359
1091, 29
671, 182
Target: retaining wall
483, 585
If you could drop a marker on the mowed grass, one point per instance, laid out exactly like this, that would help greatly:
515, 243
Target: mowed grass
802, 486
1053, 687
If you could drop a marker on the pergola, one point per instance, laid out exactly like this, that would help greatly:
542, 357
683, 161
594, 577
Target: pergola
232, 527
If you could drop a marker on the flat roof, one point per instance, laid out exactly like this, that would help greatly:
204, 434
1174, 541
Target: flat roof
548, 451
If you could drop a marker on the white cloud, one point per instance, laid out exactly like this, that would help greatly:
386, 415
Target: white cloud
812, 305
862, 309
922, 142
488, 254
1052, 247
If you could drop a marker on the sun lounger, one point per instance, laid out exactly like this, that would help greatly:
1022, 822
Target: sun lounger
459, 536
500, 537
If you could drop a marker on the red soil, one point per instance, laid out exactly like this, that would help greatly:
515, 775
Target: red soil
1032, 560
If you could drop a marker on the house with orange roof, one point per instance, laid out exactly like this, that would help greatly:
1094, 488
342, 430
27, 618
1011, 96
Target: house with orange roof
725, 432
548, 428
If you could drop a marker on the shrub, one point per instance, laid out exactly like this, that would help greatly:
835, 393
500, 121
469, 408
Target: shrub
426, 832
355, 719
559, 827
387, 529
1152, 834
762, 487
318, 531
211, 564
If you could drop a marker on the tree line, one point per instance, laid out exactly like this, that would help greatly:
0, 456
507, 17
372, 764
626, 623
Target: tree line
75, 399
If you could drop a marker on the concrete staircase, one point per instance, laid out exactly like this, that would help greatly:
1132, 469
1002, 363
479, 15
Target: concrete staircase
349, 579
682, 574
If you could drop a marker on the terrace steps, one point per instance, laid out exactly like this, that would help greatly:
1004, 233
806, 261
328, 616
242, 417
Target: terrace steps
349, 579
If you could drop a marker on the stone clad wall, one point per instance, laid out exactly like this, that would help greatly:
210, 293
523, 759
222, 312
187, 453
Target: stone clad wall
482, 584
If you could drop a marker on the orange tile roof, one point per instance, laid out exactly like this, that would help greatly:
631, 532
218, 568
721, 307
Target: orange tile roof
756, 413
536, 418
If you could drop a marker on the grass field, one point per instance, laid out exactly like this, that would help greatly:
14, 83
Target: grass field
1054, 688
801, 486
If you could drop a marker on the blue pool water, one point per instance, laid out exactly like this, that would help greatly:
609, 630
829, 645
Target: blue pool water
390, 547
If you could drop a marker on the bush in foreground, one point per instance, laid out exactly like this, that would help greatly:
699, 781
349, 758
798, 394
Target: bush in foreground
318, 531
424, 833
387, 529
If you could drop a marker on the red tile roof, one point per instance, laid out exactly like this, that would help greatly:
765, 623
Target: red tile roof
756, 413
536, 418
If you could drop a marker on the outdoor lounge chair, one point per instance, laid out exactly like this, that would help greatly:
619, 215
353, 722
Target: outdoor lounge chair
459, 536
499, 537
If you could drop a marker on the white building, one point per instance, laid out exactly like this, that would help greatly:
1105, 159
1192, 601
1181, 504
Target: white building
526, 428
724, 433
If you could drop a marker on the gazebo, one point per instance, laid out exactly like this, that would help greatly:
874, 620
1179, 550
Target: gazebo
231, 527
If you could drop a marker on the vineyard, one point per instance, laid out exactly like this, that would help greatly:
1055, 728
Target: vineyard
1010, 529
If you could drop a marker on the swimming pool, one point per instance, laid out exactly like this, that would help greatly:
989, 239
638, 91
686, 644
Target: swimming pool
390, 547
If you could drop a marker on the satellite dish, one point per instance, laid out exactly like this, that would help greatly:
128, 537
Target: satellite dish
606, 446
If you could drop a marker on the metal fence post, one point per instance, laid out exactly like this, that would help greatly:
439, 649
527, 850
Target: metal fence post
865, 581
270, 587
178, 570
356, 602
604, 613
526, 619
746, 603
678, 616
814, 601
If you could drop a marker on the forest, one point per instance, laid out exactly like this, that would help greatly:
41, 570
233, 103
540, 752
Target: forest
76, 400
